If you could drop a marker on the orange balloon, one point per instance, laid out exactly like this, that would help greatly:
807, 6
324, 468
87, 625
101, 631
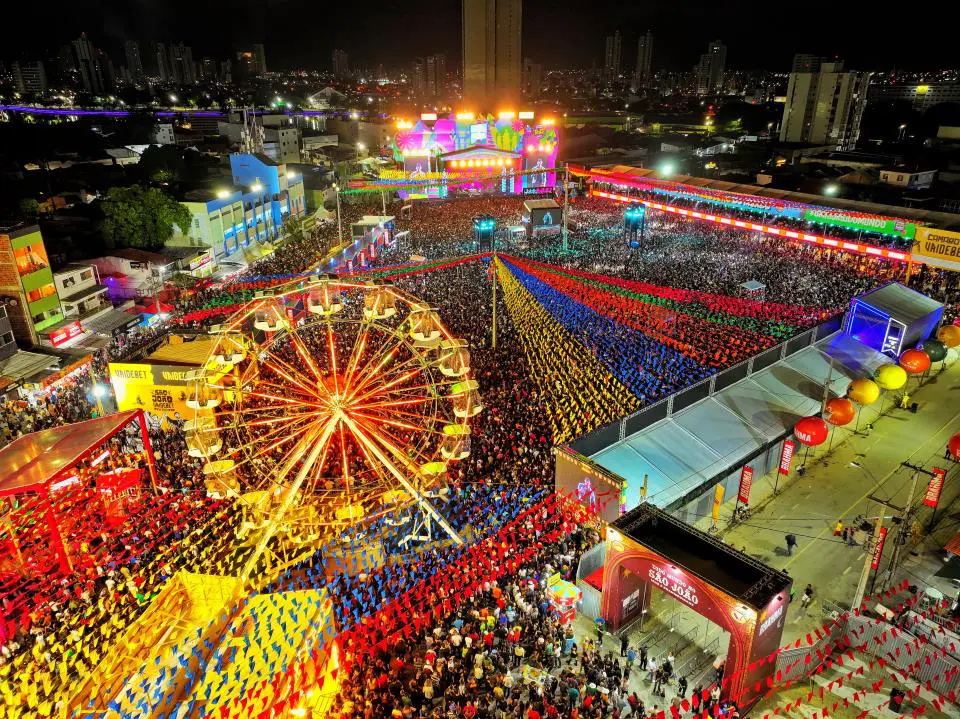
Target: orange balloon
949, 335
840, 411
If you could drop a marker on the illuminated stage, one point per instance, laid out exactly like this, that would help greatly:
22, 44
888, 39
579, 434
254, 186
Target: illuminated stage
510, 154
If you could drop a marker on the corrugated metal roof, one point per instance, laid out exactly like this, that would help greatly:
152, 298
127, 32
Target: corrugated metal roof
27, 464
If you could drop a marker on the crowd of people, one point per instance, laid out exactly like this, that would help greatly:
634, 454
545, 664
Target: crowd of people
480, 639
758, 212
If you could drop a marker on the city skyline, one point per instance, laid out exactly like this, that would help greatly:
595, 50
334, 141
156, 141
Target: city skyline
394, 34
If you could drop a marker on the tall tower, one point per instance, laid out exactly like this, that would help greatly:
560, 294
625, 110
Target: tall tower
711, 68
88, 63
260, 53
611, 57
339, 62
491, 52
131, 49
642, 74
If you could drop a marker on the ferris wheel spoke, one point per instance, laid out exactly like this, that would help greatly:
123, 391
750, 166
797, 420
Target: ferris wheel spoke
304, 355
261, 409
291, 392
283, 369
387, 394
383, 388
393, 423
332, 349
285, 400
325, 438
380, 361
359, 347
316, 414
391, 403
275, 445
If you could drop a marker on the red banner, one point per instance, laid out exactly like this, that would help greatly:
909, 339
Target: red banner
786, 456
878, 550
932, 497
65, 333
746, 481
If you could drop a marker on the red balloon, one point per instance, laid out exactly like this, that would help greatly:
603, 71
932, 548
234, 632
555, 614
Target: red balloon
954, 446
811, 431
840, 411
915, 361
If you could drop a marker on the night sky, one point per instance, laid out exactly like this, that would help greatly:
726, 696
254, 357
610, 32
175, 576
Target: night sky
558, 33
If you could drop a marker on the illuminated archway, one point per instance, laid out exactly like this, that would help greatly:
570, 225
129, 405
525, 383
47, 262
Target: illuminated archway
648, 548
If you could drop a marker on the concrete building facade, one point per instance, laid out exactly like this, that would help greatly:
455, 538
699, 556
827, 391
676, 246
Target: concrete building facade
825, 107
491, 53
26, 280
642, 73
263, 195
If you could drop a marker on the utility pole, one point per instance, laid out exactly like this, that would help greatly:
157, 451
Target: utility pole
868, 559
906, 520
566, 205
904, 513
826, 386
494, 276
339, 219
383, 201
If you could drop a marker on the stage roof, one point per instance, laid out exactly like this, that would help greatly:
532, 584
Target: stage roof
944, 220
194, 353
29, 463
901, 303
720, 434
733, 572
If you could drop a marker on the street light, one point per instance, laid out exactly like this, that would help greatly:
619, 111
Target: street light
360, 148
336, 189
160, 287
99, 392
903, 131
831, 190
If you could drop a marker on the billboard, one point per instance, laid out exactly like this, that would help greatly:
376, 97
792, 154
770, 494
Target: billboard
940, 248
862, 222
155, 388
589, 484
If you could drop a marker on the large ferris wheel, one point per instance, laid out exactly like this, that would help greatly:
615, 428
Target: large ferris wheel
329, 404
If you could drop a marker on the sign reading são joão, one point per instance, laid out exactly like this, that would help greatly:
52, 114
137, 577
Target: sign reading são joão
674, 583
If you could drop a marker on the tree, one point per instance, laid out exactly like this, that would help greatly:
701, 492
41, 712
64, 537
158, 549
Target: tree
141, 217
161, 163
293, 229
29, 209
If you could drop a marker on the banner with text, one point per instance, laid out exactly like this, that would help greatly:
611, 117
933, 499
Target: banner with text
746, 481
932, 497
786, 455
940, 248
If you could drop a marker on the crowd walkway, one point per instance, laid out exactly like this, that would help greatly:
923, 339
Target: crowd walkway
836, 485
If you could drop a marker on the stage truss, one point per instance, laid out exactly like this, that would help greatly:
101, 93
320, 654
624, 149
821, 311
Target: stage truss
330, 405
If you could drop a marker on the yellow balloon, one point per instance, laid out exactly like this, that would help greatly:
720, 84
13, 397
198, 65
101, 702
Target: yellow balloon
863, 391
890, 376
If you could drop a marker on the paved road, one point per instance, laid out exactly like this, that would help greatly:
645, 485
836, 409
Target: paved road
833, 489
